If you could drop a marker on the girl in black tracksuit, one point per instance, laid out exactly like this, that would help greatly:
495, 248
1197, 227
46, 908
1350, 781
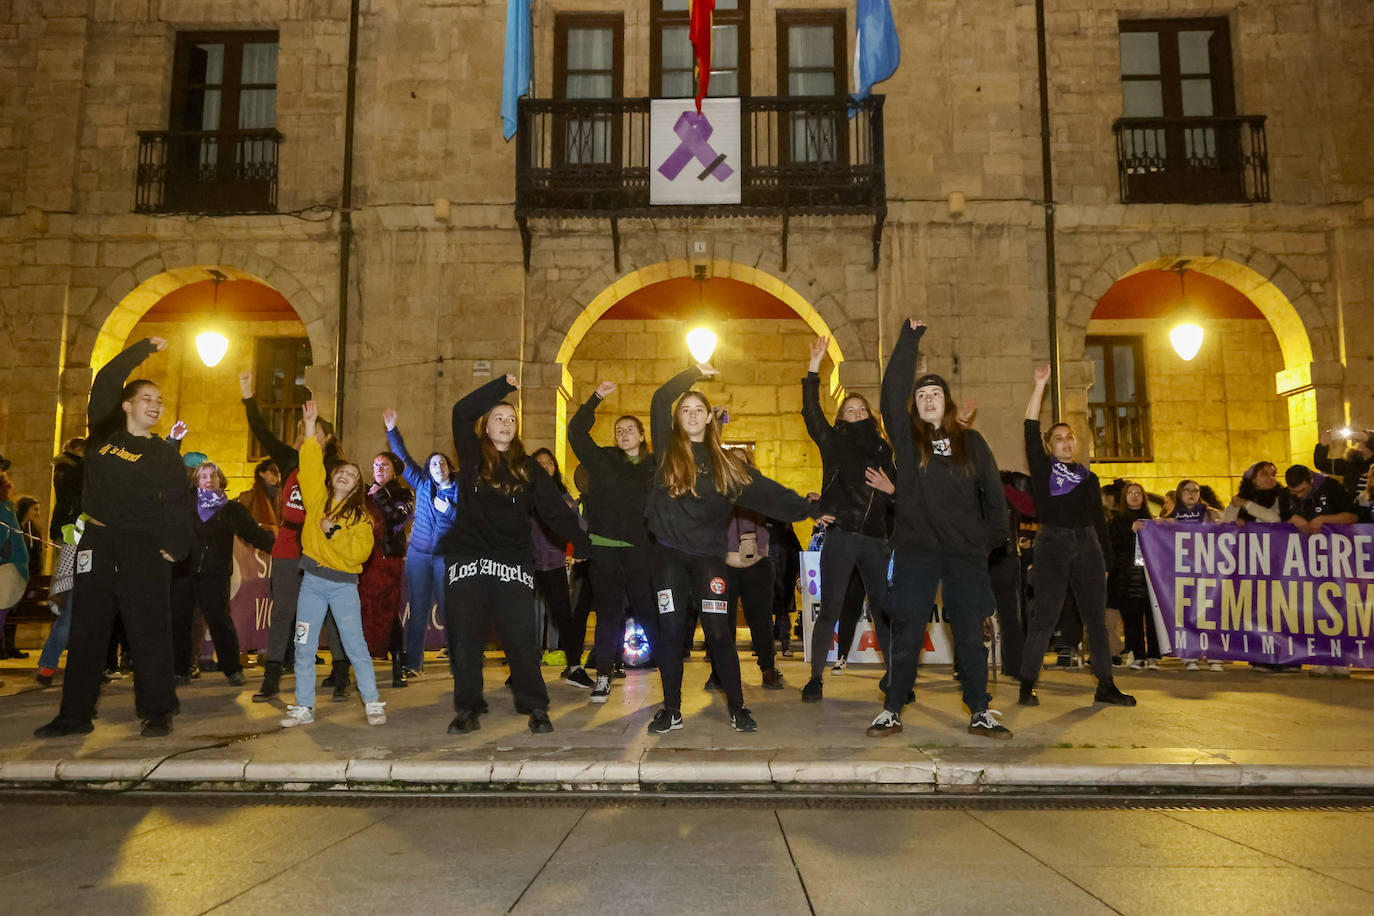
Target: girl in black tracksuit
697, 484
852, 450
619, 479
950, 515
1126, 587
138, 508
490, 554
1070, 552
215, 521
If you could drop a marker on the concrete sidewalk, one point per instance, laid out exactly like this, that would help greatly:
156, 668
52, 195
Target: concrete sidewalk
1235, 731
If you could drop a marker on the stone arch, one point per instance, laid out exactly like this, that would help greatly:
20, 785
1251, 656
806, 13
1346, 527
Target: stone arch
1309, 346
118, 307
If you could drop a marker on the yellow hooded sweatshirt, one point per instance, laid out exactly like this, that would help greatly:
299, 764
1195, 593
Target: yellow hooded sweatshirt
351, 544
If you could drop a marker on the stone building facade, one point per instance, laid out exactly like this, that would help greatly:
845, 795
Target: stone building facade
436, 294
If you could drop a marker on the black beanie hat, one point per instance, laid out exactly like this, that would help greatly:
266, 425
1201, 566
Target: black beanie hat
930, 378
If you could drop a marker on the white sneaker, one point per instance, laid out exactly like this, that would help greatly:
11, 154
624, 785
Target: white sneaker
1319, 671
1216, 666
1340, 671
298, 715
1151, 664
1136, 664
376, 712
602, 692
840, 665
1191, 666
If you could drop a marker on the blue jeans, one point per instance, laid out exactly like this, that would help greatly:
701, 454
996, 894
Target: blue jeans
57, 636
425, 581
318, 597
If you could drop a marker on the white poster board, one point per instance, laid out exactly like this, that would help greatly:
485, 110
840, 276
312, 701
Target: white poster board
694, 158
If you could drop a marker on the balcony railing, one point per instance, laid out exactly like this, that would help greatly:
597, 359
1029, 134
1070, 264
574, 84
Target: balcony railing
801, 155
207, 171
1121, 432
1192, 160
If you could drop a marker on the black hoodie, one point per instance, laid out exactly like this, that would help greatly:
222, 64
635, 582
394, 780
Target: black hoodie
942, 507
68, 475
847, 451
617, 488
696, 525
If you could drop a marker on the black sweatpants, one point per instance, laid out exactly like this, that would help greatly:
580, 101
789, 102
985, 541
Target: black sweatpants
844, 553
753, 586
1004, 567
119, 573
481, 592
1068, 559
1138, 622
619, 576
554, 589
851, 612
966, 597
286, 590
211, 594
682, 582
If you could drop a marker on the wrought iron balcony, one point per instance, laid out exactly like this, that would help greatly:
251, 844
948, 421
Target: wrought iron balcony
801, 155
224, 171
1121, 432
1192, 160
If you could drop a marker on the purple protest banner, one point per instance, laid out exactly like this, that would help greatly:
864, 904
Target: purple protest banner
1263, 593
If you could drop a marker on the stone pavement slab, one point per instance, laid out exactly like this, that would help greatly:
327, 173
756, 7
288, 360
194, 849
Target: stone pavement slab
1238, 730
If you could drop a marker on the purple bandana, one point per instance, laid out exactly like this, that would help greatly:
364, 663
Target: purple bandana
1064, 477
208, 502
1198, 513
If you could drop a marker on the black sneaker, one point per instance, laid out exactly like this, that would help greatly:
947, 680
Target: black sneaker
235, 679
664, 721
618, 672
772, 679
578, 677
539, 722
44, 680
712, 683
340, 694
1028, 695
61, 728
741, 721
602, 691
157, 726
464, 722
813, 691
399, 682
888, 723
1108, 692
411, 674
182, 680
985, 723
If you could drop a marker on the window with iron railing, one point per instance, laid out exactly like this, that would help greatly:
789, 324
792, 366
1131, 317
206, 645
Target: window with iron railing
219, 154
811, 59
1117, 403
279, 370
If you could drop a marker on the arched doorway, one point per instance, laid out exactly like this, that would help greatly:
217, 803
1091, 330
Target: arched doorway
266, 336
634, 333
1247, 395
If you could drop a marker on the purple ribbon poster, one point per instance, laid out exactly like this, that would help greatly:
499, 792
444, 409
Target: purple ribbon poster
694, 158
1263, 593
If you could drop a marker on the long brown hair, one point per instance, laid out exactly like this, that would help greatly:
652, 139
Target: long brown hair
353, 507
729, 472
512, 460
949, 425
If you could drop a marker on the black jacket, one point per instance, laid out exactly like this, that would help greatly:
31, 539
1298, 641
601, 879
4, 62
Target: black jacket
394, 502
494, 524
617, 488
847, 451
1353, 470
697, 525
942, 507
68, 475
212, 542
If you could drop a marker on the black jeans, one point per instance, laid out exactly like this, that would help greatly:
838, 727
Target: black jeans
844, 554
211, 594
119, 573
1138, 622
684, 581
482, 592
753, 586
621, 576
966, 595
1004, 567
554, 589
1068, 559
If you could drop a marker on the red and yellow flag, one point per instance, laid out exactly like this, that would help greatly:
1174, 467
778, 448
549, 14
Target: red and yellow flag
699, 30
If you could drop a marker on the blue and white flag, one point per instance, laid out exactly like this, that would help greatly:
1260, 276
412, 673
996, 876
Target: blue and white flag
515, 80
876, 50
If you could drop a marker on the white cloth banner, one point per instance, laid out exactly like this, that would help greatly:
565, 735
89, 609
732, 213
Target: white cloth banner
694, 158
